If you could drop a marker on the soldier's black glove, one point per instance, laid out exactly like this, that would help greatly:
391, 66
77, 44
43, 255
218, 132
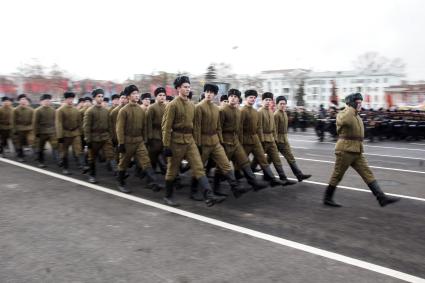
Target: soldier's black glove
121, 148
167, 152
61, 140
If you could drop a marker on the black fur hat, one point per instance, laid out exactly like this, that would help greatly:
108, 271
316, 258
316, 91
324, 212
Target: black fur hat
159, 90
169, 98
97, 91
129, 89
251, 92
181, 80
223, 97
81, 99
279, 98
22, 96
115, 96
45, 96
350, 100
122, 93
211, 88
267, 95
235, 92
106, 99
87, 98
145, 95
4, 98
68, 94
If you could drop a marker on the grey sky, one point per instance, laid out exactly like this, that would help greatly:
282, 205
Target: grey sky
116, 39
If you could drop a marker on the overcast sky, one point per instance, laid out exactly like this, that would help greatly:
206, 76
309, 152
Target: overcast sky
116, 39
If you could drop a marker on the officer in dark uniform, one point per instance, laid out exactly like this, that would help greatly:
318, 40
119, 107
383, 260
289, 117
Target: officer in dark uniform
349, 152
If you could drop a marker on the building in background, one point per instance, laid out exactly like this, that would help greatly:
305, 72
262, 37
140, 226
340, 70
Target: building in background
407, 94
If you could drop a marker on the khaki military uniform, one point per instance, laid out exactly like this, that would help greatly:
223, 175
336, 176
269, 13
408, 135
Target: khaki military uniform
6, 125
97, 132
281, 127
113, 115
154, 116
230, 121
268, 139
251, 134
22, 121
177, 133
131, 131
349, 147
68, 128
44, 127
207, 134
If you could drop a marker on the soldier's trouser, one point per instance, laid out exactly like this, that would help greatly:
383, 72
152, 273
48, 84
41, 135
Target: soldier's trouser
258, 152
22, 138
345, 159
4, 136
188, 152
285, 149
96, 147
216, 153
272, 152
155, 150
75, 142
236, 154
139, 152
42, 139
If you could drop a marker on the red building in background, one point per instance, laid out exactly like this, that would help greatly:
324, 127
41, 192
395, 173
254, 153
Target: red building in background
405, 95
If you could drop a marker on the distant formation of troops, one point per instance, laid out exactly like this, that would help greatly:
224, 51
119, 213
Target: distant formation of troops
172, 136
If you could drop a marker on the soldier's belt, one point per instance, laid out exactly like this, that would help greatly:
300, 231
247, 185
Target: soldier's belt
267, 133
156, 126
99, 131
350, 138
211, 133
71, 129
183, 131
282, 133
229, 132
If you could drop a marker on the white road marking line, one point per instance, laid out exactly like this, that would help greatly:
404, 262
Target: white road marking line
301, 147
376, 167
253, 233
395, 156
366, 145
423, 144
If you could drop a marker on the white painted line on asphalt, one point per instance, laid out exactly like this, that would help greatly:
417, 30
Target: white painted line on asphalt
253, 233
395, 156
423, 144
366, 145
371, 166
300, 147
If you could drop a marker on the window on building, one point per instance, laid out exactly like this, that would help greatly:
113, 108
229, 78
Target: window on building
315, 90
286, 90
385, 80
377, 81
323, 89
359, 89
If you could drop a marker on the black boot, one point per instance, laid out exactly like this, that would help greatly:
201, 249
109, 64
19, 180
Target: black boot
268, 176
121, 183
297, 172
92, 173
65, 166
328, 199
209, 196
40, 159
380, 196
169, 192
252, 180
239, 175
237, 190
195, 193
254, 166
153, 180
20, 155
282, 176
82, 163
216, 185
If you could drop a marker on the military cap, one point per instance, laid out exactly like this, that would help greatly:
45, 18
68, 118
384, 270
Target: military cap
97, 91
211, 88
159, 90
106, 99
145, 95
223, 98
251, 92
235, 92
81, 99
115, 96
129, 89
45, 96
350, 99
181, 80
279, 98
267, 95
4, 98
87, 98
22, 96
69, 94
122, 93
169, 98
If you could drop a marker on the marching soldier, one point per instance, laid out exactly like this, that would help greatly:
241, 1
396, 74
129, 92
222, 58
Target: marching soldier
207, 134
105, 103
146, 101
250, 135
179, 144
115, 101
168, 99
281, 127
131, 134
349, 152
269, 137
96, 127
113, 122
154, 116
44, 129
68, 133
6, 123
22, 121
224, 100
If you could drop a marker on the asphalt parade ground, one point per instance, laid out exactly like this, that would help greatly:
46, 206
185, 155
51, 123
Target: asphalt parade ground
56, 228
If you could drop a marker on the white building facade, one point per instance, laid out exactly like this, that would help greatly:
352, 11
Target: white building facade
318, 85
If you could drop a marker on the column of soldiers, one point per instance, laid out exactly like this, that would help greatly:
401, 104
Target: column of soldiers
165, 133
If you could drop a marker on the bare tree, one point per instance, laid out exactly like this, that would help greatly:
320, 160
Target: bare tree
374, 62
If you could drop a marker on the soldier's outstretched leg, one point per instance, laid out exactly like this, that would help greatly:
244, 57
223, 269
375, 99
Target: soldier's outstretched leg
92, 172
195, 193
282, 176
380, 195
121, 182
328, 199
169, 194
40, 158
297, 172
252, 180
209, 196
65, 166
153, 182
235, 187
216, 185
268, 176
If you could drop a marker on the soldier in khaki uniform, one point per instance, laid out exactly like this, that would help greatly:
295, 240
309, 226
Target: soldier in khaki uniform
154, 116
131, 135
83, 161
68, 132
281, 126
44, 129
113, 123
208, 137
145, 101
179, 144
115, 102
22, 126
97, 133
6, 123
269, 137
224, 100
349, 152
251, 134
